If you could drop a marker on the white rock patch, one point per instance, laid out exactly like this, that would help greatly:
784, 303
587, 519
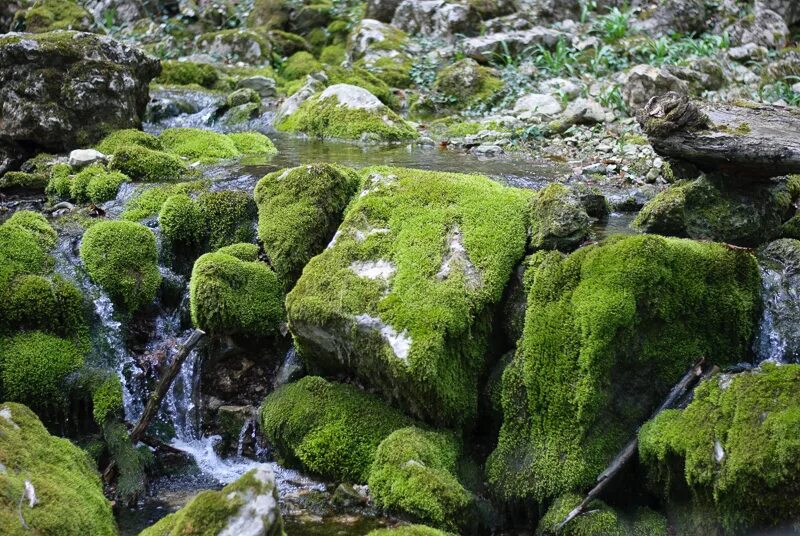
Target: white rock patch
5, 413
353, 97
259, 512
457, 256
719, 453
380, 269
399, 342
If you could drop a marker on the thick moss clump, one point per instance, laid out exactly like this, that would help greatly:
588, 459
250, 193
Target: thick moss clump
213, 220
299, 65
231, 295
253, 143
608, 331
735, 447
49, 15
331, 429
107, 400
409, 530
358, 76
121, 257
96, 184
186, 73
599, 519
348, 112
467, 83
20, 181
299, 210
33, 366
148, 201
204, 146
120, 139
414, 472
147, 165
69, 494
253, 499
558, 219
402, 297
709, 209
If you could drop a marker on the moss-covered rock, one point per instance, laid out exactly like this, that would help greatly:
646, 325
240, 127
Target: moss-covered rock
299, 65
33, 368
107, 399
96, 184
49, 15
148, 200
128, 136
331, 429
608, 331
402, 297
19, 181
68, 493
414, 472
186, 73
249, 505
467, 83
707, 208
558, 219
381, 49
121, 257
358, 76
299, 210
735, 447
253, 144
599, 519
232, 295
147, 165
347, 112
236, 45
409, 530
204, 146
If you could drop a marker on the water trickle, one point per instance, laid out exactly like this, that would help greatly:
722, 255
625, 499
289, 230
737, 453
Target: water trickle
778, 336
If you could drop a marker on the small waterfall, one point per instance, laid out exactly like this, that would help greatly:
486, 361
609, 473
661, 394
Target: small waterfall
779, 329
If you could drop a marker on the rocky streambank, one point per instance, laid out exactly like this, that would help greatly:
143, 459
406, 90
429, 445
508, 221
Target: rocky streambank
399, 267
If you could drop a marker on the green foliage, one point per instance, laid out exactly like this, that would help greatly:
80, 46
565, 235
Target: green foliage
107, 399
253, 143
95, 184
185, 73
148, 201
121, 257
231, 296
148, 165
209, 513
204, 146
612, 26
299, 65
33, 366
608, 331
214, 220
130, 461
60, 181
330, 429
120, 139
299, 210
414, 472
735, 446
434, 298
37, 225
181, 222
71, 501
333, 55
329, 119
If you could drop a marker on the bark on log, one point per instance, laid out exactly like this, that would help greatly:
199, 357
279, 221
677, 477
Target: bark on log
743, 139
163, 385
684, 386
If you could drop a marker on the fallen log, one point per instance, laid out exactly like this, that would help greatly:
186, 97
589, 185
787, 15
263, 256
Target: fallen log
164, 384
681, 389
741, 139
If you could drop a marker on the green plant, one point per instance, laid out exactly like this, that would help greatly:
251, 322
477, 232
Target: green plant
613, 26
560, 61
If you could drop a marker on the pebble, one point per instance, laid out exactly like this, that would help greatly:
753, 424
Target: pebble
488, 150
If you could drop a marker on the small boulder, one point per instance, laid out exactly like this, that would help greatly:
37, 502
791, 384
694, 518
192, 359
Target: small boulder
262, 85
558, 219
485, 48
537, 104
643, 82
764, 28
381, 10
80, 158
435, 18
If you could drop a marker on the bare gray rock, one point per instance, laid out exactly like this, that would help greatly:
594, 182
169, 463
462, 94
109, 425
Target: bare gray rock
642, 82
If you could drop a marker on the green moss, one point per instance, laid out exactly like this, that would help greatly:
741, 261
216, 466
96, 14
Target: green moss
468, 83
34, 302
333, 55
608, 332
210, 512
735, 446
130, 462
299, 65
107, 400
147, 165
121, 257
68, 488
148, 201
448, 244
361, 77
24, 250
299, 210
95, 184
558, 219
236, 45
287, 43
227, 216
599, 519
329, 119
329, 429
49, 15
204, 146
394, 71
229, 296
184, 73
18, 180
181, 222
33, 367
414, 472
37, 225
244, 252
60, 181
409, 530
120, 139
253, 143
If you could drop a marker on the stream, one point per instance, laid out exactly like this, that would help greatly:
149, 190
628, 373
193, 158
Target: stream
301, 496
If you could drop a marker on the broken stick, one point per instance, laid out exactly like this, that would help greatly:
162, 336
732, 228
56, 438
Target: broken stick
688, 381
164, 384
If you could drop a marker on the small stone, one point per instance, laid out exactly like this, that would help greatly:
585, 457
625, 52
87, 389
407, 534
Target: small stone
346, 496
537, 104
652, 175
598, 167
83, 157
488, 150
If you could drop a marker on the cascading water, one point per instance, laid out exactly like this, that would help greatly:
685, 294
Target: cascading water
779, 329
